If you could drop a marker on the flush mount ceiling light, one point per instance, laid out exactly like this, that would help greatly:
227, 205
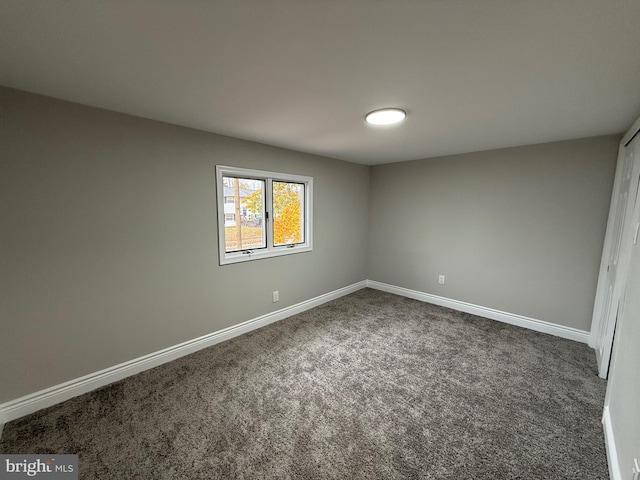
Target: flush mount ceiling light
385, 116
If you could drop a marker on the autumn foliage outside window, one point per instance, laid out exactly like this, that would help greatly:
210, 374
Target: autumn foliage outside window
288, 211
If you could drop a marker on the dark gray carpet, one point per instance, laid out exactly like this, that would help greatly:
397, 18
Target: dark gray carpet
371, 385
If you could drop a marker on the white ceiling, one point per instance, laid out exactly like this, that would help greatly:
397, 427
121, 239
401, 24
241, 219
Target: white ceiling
301, 74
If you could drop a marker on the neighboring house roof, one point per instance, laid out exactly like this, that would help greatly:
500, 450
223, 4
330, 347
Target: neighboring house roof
228, 192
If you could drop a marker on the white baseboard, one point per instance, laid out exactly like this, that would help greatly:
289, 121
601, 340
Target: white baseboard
511, 318
59, 393
612, 453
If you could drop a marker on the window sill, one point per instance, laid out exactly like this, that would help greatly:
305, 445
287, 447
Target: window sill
240, 257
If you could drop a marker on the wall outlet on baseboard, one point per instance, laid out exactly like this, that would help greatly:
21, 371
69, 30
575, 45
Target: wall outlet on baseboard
441, 279
276, 296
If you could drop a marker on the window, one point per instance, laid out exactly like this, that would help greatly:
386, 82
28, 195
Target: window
262, 214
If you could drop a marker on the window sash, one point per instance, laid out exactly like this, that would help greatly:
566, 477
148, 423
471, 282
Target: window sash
283, 230
251, 241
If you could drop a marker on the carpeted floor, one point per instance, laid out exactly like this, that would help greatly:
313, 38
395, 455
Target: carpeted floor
371, 385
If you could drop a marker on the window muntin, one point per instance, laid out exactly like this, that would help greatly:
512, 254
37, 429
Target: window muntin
262, 214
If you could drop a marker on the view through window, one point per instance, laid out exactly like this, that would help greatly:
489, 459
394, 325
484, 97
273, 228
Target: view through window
244, 214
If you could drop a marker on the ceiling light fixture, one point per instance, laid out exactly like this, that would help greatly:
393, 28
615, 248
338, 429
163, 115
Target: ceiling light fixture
385, 116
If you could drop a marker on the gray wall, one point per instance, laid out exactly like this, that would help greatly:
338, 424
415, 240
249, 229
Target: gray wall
520, 229
108, 244
108, 235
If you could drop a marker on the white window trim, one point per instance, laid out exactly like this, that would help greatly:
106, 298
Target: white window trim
270, 250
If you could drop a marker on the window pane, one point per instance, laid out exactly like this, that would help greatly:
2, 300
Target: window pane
288, 213
243, 214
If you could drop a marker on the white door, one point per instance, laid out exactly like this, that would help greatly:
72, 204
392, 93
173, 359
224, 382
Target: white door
616, 252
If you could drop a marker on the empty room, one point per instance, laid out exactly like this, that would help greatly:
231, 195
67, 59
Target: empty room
319, 239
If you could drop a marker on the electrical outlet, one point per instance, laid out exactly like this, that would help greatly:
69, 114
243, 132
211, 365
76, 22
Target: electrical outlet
276, 296
441, 279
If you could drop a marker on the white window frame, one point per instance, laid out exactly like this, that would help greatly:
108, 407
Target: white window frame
270, 250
